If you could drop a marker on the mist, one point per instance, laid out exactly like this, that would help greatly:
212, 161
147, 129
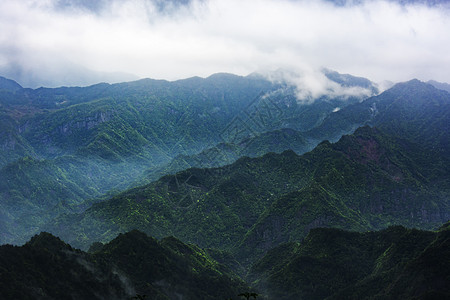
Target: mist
311, 85
77, 42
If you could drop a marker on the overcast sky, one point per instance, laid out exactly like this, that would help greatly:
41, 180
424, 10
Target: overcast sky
59, 40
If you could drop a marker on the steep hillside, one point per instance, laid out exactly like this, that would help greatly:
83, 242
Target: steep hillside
12, 145
103, 138
413, 110
100, 139
368, 180
365, 181
47, 268
130, 265
9, 85
106, 138
222, 154
395, 263
34, 191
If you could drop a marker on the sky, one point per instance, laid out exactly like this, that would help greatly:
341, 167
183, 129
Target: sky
79, 42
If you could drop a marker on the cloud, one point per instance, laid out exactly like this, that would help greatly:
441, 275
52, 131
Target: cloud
381, 40
311, 84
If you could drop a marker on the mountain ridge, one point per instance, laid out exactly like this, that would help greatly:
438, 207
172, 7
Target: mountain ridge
131, 264
257, 213
340, 180
336, 264
131, 129
329, 263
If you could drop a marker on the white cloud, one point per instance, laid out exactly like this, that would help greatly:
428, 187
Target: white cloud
377, 39
311, 84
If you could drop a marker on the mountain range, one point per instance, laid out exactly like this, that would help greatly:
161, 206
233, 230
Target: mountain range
368, 180
209, 188
130, 265
328, 264
395, 263
65, 148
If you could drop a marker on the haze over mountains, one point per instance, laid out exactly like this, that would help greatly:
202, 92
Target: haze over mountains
128, 171
232, 167
73, 144
76, 42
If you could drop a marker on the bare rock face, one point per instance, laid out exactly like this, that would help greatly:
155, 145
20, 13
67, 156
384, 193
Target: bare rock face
87, 123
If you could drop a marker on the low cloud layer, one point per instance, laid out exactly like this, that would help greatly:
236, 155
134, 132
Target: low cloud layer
380, 40
311, 84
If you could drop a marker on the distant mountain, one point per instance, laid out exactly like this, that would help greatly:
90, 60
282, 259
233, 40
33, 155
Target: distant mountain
440, 85
237, 165
395, 263
413, 110
347, 80
369, 180
9, 85
101, 139
226, 153
62, 72
365, 181
132, 264
161, 118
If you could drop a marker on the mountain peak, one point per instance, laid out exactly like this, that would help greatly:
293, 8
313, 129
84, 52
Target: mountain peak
132, 240
440, 85
413, 85
48, 241
9, 85
415, 92
366, 130
348, 80
223, 75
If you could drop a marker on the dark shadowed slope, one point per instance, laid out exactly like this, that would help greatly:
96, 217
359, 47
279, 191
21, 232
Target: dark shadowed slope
131, 264
395, 263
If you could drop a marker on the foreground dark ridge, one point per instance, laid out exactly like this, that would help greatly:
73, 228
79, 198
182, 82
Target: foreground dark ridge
395, 263
132, 263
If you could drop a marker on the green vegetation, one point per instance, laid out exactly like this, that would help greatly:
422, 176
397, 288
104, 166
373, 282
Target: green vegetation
83, 143
212, 164
366, 181
132, 266
102, 139
395, 263
222, 154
